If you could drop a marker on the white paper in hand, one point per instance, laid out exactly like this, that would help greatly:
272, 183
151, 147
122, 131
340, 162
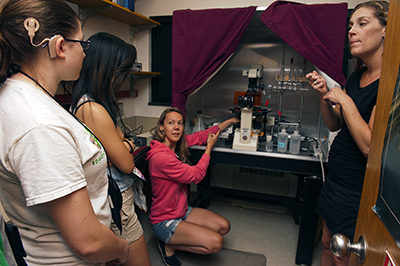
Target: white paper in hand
330, 82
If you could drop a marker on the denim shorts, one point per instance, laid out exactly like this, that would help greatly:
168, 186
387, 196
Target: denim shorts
166, 229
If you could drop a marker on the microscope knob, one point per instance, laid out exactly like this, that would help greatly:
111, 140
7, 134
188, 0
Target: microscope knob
249, 102
241, 101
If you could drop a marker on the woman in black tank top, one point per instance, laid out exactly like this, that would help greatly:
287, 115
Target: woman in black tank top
351, 111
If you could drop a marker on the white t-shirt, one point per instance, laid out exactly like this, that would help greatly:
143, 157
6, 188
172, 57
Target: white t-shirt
46, 154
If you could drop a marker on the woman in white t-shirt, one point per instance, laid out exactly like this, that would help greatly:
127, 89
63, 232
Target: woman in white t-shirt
53, 182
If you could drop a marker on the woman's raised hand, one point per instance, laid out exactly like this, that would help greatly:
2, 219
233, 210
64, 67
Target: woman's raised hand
317, 82
212, 139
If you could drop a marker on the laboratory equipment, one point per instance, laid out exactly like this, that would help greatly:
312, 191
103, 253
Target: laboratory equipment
269, 144
295, 141
292, 109
282, 140
199, 124
243, 137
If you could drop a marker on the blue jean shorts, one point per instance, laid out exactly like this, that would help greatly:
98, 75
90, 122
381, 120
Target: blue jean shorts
166, 229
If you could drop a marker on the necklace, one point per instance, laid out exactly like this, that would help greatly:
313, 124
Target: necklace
76, 118
112, 191
34, 80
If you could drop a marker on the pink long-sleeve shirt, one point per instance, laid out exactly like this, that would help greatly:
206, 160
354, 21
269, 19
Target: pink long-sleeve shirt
169, 177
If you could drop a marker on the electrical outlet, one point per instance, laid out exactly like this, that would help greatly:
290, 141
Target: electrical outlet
317, 151
134, 93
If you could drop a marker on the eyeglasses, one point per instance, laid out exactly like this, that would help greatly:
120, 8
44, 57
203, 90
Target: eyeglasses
85, 44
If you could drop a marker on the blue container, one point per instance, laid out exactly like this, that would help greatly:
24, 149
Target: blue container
130, 4
121, 2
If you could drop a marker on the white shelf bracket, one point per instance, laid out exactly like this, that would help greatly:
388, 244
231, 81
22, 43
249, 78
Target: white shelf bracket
136, 29
87, 11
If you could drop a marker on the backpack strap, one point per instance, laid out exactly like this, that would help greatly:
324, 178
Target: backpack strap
14, 239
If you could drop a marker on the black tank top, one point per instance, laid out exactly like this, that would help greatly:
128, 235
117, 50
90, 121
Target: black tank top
346, 162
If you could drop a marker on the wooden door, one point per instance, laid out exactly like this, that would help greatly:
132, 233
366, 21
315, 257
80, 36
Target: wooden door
369, 225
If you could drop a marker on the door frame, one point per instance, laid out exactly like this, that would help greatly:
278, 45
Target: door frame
369, 225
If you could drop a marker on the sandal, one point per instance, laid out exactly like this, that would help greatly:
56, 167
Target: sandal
169, 261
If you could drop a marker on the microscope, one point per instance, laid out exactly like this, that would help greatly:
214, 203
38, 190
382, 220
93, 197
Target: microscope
243, 138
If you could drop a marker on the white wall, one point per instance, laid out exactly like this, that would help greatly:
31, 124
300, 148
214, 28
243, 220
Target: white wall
138, 106
165, 7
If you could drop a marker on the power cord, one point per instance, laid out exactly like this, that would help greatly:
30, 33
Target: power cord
129, 133
318, 153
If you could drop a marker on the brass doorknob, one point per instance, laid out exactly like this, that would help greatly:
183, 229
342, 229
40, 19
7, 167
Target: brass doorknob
341, 246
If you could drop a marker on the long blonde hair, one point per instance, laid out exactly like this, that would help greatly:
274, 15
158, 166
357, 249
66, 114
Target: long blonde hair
182, 149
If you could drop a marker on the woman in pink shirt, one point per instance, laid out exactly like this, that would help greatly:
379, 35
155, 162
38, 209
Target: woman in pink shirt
177, 225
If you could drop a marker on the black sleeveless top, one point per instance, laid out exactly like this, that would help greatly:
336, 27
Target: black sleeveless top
341, 193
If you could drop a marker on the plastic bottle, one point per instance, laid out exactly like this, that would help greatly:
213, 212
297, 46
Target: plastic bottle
269, 145
282, 140
295, 140
199, 125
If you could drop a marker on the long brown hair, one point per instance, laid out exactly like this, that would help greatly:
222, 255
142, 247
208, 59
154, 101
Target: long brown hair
381, 10
181, 148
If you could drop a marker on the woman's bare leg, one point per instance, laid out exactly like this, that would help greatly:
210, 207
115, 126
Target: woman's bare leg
327, 257
138, 253
200, 233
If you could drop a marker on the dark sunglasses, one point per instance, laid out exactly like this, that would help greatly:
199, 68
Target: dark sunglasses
85, 44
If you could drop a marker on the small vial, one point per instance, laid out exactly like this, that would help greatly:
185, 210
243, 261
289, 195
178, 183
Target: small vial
269, 145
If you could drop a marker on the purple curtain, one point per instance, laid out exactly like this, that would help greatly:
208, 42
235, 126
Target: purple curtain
201, 41
317, 32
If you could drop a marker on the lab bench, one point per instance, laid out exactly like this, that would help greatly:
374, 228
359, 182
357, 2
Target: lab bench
306, 167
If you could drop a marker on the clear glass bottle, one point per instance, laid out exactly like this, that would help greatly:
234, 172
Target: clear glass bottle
199, 125
295, 140
269, 144
282, 141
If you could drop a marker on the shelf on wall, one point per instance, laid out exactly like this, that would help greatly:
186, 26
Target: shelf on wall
135, 77
119, 13
145, 74
66, 97
127, 94
112, 10
139, 75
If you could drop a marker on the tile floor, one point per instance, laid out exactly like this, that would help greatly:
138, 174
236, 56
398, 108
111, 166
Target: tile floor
256, 228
